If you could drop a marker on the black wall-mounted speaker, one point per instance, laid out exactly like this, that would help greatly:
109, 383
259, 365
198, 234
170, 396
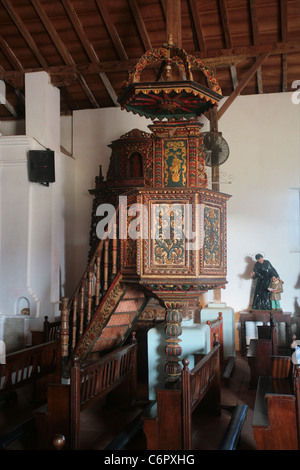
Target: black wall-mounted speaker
41, 167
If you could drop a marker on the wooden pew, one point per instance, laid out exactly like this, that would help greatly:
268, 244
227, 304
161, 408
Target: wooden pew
263, 363
88, 383
276, 413
50, 332
169, 425
38, 365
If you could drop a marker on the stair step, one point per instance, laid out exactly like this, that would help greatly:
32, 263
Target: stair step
130, 312
109, 339
118, 325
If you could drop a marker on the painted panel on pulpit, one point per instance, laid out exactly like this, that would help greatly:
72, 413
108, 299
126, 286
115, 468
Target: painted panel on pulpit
212, 245
168, 242
175, 162
165, 249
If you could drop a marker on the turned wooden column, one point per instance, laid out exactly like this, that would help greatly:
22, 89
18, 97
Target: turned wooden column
173, 331
64, 333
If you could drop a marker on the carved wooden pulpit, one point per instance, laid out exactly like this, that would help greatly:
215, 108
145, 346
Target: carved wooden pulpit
181, 248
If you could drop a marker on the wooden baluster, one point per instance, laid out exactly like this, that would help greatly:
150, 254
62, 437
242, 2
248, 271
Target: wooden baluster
81, 314
106, 245
114, 252
74, 322
46, 330
186, 405
90, 296
98, 260
64, 334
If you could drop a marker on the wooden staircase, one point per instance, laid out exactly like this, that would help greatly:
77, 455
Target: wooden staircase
103, 310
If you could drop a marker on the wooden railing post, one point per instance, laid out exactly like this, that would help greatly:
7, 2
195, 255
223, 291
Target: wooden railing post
114, 252
186, 406
64, 334
297, 395
75, 404
106, 245
46, 330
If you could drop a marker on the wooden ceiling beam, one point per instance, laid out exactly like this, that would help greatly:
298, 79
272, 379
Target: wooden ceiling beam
62, 49
89, 48
196, 27
242, 84
228, 39
255, 35
140, 24
225, 23
111, 30
217, 58
25, 33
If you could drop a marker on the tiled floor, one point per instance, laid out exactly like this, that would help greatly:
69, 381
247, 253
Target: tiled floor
100, 423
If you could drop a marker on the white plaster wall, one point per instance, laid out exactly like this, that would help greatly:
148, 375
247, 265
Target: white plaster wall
36, 232
263, 213
263, 133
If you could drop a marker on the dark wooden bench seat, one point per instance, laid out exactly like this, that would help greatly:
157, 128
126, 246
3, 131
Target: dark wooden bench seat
275, 418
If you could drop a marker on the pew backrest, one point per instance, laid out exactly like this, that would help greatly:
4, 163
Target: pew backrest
91, 382
27, 365
195, 384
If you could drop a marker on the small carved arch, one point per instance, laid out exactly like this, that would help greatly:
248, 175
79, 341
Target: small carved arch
136, 165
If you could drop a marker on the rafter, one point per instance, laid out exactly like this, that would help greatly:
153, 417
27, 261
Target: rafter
255, 34
228, 39
214, 58
242, 84
63, 51
89, 48
112, 30
140, 24
196, 27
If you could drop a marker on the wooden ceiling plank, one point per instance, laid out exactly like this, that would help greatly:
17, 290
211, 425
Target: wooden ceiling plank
196, 26
80, 31
89, 48
254, 22
66, 56
140, 24
60, 46
225, 23
255, 35
112, 30
25, 33
242, 84
228, 39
